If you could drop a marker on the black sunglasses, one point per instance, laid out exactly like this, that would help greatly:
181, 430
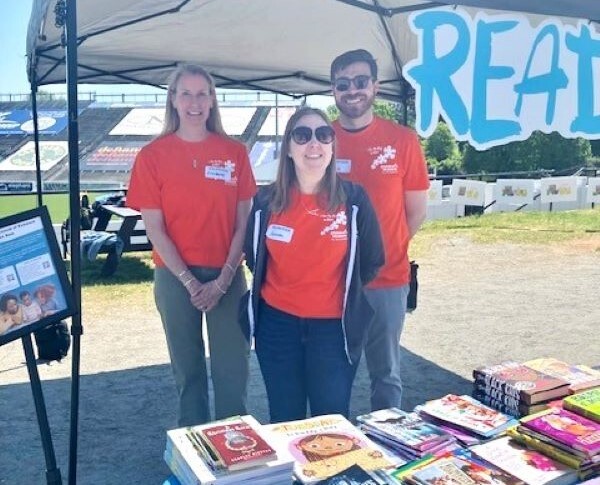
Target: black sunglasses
303, 134
344, 83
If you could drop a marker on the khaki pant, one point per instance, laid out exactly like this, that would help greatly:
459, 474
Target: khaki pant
229, 350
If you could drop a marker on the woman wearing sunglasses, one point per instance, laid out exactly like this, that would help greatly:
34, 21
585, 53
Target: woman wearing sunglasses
312, 242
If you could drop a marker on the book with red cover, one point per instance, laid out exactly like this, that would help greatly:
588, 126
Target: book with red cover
238, 444
520, 382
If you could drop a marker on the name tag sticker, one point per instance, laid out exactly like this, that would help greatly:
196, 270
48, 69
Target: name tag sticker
280, 233
217, 173
343, 165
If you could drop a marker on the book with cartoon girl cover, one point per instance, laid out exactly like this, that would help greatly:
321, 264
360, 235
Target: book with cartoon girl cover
469, 414
579, 377
325, 445
568, 428
528, 465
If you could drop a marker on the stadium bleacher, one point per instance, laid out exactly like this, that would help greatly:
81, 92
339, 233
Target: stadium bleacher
109, 139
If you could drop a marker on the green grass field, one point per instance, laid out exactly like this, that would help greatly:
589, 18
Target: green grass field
58, 204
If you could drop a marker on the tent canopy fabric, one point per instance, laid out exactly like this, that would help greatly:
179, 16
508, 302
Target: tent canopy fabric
278, 45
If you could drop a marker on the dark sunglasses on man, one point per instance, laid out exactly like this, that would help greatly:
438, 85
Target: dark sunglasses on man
303, 134
360, 82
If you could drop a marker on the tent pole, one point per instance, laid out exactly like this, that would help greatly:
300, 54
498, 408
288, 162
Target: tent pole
75, 206
36, 139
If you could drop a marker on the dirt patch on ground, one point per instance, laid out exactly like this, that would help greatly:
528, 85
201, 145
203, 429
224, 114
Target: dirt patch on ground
477, 304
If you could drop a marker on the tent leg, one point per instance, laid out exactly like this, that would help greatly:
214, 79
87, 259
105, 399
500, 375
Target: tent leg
36, 138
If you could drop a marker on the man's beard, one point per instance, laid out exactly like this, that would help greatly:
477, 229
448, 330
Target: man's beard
357, 110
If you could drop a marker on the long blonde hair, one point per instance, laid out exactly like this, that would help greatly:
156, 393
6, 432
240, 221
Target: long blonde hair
330, 192
171, 123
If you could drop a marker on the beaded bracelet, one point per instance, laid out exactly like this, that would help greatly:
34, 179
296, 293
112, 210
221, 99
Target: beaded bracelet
219, 287
183, 273
186, 284
227, 265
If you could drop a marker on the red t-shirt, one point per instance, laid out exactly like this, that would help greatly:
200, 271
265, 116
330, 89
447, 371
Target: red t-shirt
387, 160
197, 185
306, 251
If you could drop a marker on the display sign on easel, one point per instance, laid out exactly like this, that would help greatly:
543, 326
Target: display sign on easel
34, 288
434, 194
593, 190
468, 192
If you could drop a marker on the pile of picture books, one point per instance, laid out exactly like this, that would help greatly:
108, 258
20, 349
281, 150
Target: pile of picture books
564, 435
327, 445
406, 434
516, 389
237, 450
530, 387
467, 419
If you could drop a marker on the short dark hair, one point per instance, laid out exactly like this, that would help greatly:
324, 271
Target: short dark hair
5, 299
350, 57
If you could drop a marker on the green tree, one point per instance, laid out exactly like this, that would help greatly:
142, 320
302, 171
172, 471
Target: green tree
539, 151
441, 144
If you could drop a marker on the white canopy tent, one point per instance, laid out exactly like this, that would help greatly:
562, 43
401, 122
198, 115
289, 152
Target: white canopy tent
284, 46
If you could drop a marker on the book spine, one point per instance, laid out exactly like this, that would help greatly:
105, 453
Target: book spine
545, 448
491, 382
505, 405
582, 411
507, 400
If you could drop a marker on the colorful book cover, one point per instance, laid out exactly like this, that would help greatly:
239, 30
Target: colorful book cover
568, 428
325, 445
469, 414
520, 382
406, 428
354, 475
461, 470
586, 403
528, 465
579, 377
238, 444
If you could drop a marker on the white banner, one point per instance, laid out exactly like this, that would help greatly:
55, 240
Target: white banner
593, 190
514, 191
141, 121
51, 152
468, 192
558, 189
434, 194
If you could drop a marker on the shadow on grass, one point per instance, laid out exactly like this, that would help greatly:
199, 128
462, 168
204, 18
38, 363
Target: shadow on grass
131, 269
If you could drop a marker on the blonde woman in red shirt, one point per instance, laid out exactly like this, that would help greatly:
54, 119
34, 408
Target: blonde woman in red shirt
193, 186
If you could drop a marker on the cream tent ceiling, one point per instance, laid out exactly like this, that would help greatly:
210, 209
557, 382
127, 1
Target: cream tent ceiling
278, 45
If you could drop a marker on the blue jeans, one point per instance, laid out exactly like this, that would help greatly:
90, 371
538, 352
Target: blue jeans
382, 349
303, 359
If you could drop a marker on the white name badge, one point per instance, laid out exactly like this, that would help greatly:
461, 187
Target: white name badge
217, 173
280, 233
343, 165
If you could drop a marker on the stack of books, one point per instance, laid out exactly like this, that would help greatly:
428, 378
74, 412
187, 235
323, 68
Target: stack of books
585, 404
579, 377
325, 445
516, 389
468, 420
233, 451
406, 434
565, 436
531, 466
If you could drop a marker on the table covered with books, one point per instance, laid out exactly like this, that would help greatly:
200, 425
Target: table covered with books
532, 423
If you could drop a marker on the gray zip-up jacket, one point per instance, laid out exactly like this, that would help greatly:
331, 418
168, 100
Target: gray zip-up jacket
364, 258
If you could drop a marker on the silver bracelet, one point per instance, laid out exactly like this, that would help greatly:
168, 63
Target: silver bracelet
219, 287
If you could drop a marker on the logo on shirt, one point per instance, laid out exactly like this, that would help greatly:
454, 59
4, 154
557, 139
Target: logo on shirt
221, 170
383, 156
336, 226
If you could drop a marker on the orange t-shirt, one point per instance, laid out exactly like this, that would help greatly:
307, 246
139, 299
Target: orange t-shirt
387, 160
306, 251
197, 185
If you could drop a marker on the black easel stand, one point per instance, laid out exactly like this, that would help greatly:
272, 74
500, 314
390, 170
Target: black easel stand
53, 476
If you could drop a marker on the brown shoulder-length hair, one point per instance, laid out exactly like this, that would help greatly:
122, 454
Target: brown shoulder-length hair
330, 194
171, 123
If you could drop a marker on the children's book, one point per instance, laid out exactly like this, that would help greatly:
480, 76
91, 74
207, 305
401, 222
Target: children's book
469, 414
579, 377
568, 428
586, 403
237, 443
519, 382
354, 475
325, 445
528, 465
508, 405
406, 428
